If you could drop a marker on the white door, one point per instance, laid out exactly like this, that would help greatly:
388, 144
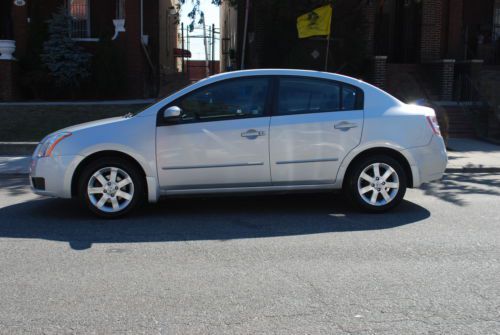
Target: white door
221, 139
316, 122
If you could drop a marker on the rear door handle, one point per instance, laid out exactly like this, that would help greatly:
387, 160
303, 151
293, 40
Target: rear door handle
252, 133
344, 125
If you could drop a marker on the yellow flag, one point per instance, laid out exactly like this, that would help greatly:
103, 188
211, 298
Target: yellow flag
315, 23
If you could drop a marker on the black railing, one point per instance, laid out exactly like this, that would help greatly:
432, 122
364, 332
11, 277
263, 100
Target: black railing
471, 98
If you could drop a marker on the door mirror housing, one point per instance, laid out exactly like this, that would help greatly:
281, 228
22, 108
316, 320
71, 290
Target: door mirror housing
172, 113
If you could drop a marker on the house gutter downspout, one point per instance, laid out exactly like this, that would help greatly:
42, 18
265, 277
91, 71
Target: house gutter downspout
142, 21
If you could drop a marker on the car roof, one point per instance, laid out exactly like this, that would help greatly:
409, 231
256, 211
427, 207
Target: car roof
282, 72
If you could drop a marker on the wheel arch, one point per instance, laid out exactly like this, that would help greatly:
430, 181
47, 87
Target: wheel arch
393, 153
100, 154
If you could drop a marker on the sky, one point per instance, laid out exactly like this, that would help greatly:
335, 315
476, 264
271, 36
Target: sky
211, 17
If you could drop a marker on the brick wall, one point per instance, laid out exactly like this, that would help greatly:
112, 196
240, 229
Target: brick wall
379, 71
369, 13
454, 36
197, 69
8, 73
151, 28
430, 43
101, 14
447, 72
442, 74
20, 27
135, 60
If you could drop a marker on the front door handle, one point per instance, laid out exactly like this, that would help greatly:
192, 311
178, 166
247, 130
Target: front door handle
344, 125
252, 133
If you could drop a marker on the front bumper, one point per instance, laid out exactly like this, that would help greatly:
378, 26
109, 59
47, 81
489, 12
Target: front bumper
57, 173
429, 162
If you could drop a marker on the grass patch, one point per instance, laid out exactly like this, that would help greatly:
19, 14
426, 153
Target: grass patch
31, 123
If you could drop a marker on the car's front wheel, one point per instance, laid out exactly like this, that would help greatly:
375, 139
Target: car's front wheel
111, 187
377, 183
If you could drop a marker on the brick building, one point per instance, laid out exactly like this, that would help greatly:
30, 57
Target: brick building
144, 32
441, 50
442, 35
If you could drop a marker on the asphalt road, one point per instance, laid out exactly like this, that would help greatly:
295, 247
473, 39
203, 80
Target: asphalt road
302, 264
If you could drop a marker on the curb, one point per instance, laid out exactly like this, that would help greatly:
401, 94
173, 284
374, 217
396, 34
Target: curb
14, 175
17, 148
473, 170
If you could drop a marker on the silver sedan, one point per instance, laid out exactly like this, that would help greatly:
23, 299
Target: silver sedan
248, 131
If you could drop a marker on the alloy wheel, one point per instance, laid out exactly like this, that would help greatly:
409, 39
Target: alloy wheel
110, 189
378, 184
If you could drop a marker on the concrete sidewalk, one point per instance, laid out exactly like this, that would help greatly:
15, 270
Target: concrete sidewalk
465, 155
470, 155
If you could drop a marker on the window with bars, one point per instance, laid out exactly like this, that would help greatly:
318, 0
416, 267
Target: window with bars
80, 18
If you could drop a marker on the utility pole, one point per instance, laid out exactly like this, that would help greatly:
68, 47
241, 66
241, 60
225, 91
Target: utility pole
212, 65
206, 47
188, 63
182, 41
245, 29
328, 42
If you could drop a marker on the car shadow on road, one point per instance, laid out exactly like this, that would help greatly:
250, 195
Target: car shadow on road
190, 219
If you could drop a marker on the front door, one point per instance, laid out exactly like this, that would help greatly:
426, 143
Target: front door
316, 122
222, 139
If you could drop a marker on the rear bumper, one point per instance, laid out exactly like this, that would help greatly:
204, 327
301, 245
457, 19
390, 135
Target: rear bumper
428, 162
56, 173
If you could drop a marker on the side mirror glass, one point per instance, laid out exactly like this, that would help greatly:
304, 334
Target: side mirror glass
172, 113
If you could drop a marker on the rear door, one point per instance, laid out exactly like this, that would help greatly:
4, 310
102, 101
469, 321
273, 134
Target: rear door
315, 123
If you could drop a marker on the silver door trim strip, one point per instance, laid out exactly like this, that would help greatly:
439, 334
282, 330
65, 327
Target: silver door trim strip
308, 161
211, 166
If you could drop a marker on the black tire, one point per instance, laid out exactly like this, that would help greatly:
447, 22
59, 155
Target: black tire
138, 184
354, 193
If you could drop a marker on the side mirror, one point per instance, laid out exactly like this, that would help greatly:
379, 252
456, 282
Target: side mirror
172, 113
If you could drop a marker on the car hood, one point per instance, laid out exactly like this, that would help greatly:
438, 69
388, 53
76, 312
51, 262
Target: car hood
93, 124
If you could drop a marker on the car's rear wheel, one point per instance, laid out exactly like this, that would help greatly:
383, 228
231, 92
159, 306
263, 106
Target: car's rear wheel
377, 183
111, 187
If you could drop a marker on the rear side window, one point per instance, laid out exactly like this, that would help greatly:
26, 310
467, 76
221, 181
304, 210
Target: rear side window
305, 95
349, 98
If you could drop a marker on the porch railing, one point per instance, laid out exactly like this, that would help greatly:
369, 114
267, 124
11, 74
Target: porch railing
471, 98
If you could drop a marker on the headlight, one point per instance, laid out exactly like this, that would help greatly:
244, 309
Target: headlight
49, 143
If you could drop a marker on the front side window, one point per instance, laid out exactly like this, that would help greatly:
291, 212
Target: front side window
80, 23
306, 95
228, 99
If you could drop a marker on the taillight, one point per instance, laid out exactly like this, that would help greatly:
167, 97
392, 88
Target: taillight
433, 123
